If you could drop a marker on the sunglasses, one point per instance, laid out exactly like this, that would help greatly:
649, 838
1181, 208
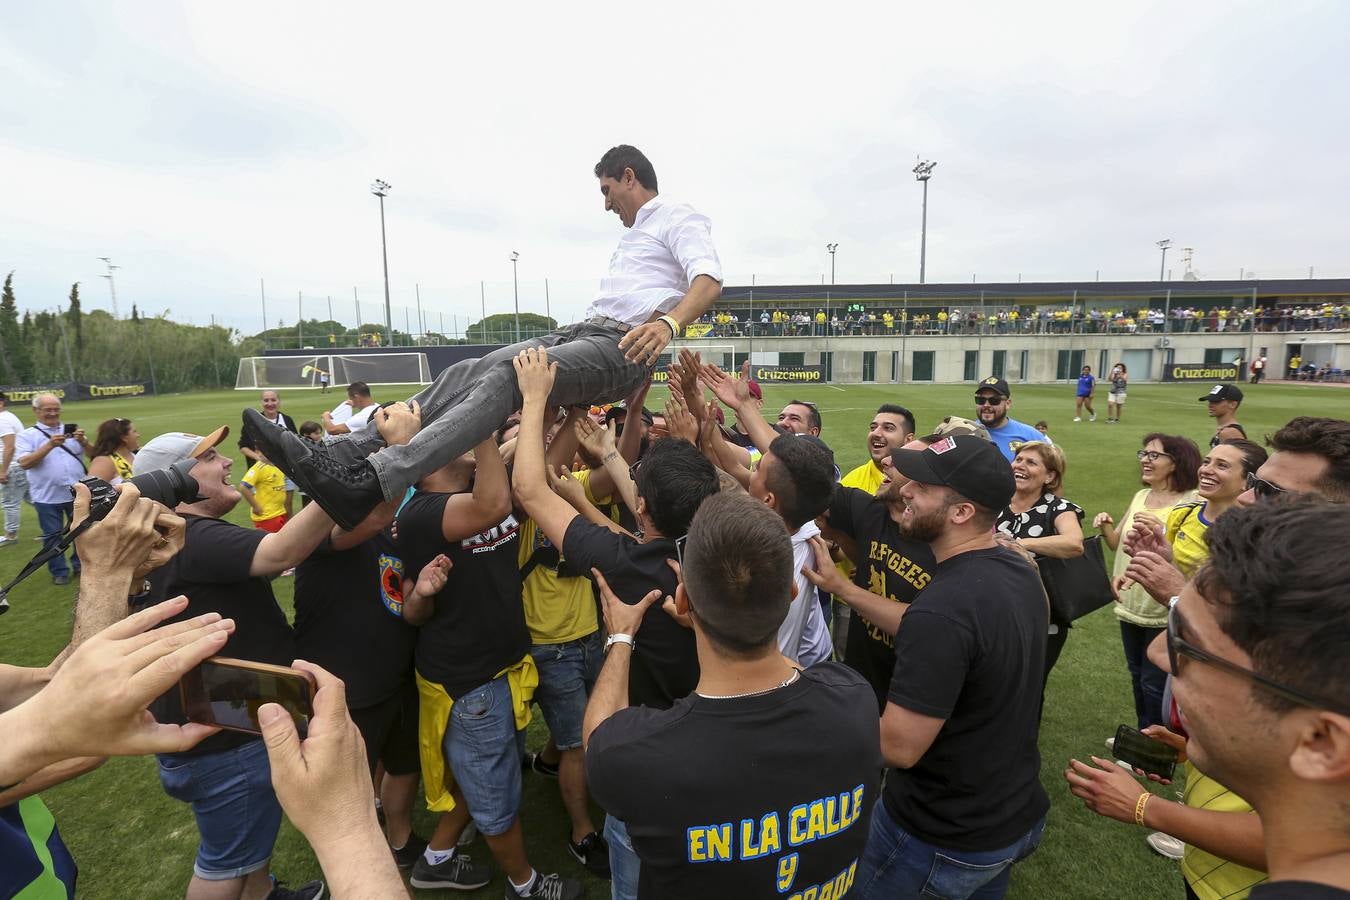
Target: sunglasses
679, 549
1152, 455
986, 400
1177, 647
1263, 489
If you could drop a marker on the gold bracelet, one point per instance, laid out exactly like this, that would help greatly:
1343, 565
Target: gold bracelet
1139, 807
674, 325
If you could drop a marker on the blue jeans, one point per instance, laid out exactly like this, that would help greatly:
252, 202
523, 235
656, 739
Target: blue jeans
484, 748
624, 865
896, 864
567, 672
14, 493
236, 810
471, 399
53, 519
1146, 678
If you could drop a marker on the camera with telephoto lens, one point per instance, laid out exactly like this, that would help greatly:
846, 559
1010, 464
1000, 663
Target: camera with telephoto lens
170, 487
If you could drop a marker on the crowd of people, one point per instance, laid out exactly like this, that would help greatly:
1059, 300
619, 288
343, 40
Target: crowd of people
1000, 317
774, 678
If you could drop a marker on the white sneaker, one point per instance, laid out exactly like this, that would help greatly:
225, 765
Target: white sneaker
1166, 845
1092, 419
1111, 744
1078, 418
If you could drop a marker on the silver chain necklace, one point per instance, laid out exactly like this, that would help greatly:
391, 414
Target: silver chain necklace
796, 673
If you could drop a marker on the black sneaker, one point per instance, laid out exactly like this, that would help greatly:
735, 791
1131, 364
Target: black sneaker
408, 855
548, 887
311, 891
458, 873
592, 852
535, 762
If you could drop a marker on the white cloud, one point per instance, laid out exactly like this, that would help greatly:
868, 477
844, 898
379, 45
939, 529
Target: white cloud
205, 147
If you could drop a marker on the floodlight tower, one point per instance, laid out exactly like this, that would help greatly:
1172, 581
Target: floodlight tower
515, 289
831, 248
381, 189
1162, 266
923, 170
112, 286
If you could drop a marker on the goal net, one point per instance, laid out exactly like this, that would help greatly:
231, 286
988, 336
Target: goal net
257, 372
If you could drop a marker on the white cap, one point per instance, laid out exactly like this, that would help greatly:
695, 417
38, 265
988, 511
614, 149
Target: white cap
167, 449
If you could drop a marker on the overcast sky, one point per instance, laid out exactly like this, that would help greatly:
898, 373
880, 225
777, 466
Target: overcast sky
207, 146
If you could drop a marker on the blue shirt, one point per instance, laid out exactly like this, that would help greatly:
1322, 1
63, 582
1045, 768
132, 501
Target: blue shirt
1012, 435
1085, 383
49, 481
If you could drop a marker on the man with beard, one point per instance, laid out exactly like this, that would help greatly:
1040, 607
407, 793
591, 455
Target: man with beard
963, 800
993, 399
891, 571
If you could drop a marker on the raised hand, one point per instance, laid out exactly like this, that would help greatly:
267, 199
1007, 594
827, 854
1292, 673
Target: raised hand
534, 373
596, 439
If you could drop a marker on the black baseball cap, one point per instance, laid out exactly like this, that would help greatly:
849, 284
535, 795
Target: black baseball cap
969, 465
993, 382
1222, 392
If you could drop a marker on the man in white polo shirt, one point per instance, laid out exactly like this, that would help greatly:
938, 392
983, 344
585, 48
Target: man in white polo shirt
13, 481
665, 273
53, 461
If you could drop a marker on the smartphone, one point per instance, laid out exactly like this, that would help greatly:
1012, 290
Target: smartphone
227, 692
70, 428
1143, 752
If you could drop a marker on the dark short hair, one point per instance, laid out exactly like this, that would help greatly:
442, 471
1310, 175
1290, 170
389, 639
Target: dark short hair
814, 418
801, 477
1327, 438
310, 427
674, 478
359, 388
1253, 454
738, 573
1185, 459
4, 399
1279, 595
896, 409
626, 156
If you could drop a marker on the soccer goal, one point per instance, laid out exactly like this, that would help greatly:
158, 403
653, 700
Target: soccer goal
722, 355
258, 372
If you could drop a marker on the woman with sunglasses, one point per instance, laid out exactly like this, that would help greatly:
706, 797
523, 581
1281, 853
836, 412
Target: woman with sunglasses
1168, 469
114, 450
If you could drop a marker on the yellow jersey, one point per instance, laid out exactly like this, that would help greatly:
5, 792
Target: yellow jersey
268, 485
558, 607
1186, 527
1211, 877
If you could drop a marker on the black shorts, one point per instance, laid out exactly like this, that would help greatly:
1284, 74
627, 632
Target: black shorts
390, 731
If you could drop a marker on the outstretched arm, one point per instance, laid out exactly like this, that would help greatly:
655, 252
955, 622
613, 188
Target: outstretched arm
551, 513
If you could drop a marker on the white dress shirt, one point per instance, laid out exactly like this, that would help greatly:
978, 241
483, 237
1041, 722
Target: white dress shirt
49, 481
657, 259
803, 635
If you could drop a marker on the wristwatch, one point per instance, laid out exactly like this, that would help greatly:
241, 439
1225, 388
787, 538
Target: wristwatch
620, 639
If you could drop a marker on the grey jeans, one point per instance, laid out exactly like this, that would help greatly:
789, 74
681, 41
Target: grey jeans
471, 399
14, 492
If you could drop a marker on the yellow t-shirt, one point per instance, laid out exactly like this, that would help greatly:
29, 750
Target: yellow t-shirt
269, 488
558, 608
866, 477
1186, 527
1209, 876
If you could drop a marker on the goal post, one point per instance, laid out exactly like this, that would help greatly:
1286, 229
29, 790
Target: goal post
260, 372
721, 355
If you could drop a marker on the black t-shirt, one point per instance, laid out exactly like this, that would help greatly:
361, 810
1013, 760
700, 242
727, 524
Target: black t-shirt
212, 571
763, 796
1297, 890
665, 661
895, 567
478, 627
971, 650
349, 618
246, 441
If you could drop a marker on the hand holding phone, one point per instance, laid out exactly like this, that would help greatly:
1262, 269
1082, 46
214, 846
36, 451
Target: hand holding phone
69, 428
1145, 753
228, 692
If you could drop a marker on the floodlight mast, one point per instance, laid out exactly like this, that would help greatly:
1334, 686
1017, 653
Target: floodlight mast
831, 248
923, 170
1162, 266
381, 189
112, 286
515, 290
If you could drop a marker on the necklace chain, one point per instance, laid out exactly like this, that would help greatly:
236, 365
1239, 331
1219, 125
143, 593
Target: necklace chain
796, 673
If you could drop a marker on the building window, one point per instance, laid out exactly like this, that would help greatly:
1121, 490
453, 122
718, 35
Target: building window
972, 370
923, 365
869, 365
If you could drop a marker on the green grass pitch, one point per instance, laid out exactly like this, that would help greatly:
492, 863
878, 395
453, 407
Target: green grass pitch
131, 840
